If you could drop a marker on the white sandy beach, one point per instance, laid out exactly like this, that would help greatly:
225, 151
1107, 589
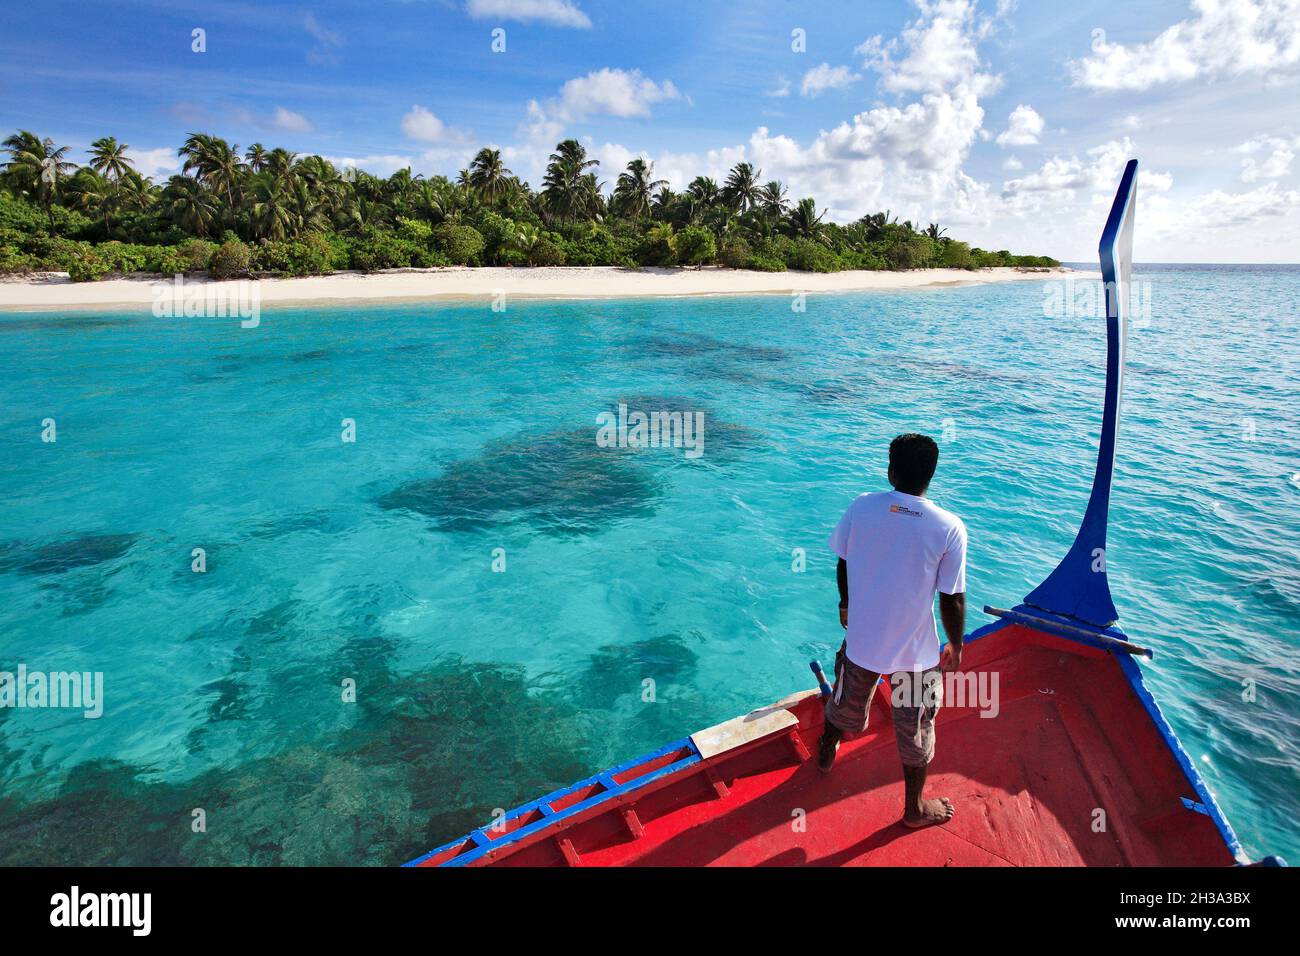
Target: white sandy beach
55, 291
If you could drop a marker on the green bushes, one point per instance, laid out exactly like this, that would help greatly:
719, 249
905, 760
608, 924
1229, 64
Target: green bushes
192, 255
56, 254
231, 260
414, 230
695, 246
769, 255
13, 261
125, 257
735, 254
311, 255
913, 252
807, 255
656, 246
598, 246
547, 253
88, 266
497, 232
384, 250
29, 218
956, 255
460, 245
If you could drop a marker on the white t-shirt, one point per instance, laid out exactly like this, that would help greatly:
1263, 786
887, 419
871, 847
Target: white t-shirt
900, 549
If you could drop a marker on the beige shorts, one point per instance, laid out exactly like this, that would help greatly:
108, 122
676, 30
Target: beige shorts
915, 699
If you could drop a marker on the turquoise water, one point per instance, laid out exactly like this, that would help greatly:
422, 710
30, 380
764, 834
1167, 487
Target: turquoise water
372, 561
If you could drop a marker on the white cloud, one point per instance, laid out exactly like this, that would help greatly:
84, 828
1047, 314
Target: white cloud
1228, 210
152, 163
1099, 172
290, 121
909, 155
1024, 126
826, 77
940, 50
612, 92
422, 126
326, 41
377, 165
1281, 153
782, 88
606, 92
1223, 39
560, 13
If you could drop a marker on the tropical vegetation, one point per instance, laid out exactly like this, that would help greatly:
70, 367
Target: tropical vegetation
266, 211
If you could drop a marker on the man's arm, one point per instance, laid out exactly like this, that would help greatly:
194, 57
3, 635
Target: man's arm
952, 611
842, 579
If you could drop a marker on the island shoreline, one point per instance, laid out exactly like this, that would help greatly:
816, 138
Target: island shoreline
54, 291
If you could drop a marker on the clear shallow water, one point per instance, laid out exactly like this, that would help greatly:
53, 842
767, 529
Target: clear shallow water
475, 431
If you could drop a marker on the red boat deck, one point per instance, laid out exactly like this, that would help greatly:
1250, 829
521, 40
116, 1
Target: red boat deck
1070, 742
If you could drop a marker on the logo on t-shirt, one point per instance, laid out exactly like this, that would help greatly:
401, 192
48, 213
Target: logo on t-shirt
903, 510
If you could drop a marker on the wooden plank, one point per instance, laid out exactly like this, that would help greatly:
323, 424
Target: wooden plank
738, 731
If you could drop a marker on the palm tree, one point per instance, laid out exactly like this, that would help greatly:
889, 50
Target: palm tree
525, 238
38, 167
96, 194
280, 163
935, 233
190, 204
216, 163
272, 214
488, 176
567, 188
401, 188
741, 190
325, 190
663, 202
108, 158
434, 200
136, 192
255, 157
805, 222
704, 191
362, 214
773, 200
635, 189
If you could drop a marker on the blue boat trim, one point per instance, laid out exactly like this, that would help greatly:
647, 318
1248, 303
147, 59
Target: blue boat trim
1078, 588
1133, 672
550, 816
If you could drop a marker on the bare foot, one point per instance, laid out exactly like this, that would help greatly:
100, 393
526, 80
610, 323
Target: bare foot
937, 810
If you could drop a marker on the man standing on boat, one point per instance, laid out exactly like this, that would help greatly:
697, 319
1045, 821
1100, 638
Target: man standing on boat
896, 550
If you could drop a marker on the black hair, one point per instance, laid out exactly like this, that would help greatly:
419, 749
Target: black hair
913, 458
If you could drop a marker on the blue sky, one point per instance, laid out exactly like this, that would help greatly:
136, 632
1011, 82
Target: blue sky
1007, 122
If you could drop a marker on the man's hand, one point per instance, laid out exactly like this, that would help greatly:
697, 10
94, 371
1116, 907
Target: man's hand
844, 617
952, 609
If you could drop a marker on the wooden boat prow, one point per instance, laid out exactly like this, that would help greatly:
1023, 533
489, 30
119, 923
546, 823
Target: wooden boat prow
1078, 767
